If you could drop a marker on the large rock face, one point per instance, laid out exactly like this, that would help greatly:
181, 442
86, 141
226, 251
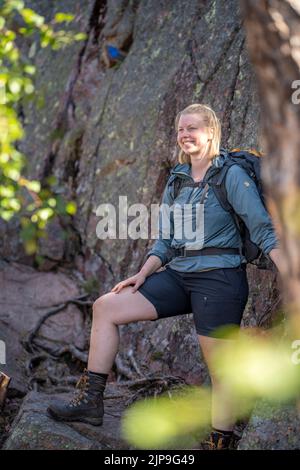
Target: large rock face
101, 129
108, 131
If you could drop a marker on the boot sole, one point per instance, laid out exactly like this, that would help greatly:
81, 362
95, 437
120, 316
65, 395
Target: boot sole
92, 421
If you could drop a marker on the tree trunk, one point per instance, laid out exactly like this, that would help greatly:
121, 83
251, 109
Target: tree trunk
273, 39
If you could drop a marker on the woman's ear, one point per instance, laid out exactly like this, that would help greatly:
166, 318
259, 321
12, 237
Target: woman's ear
211, 133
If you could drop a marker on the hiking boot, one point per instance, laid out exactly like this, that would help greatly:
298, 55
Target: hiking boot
220, 441
87, 404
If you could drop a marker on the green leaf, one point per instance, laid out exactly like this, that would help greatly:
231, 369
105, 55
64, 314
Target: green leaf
45, 214
34, 186
4, 157
7, 191
60, 205
51, 202
51, 180
39, 259
6, 215
80, 36
16, 4
15, 85
30, 247
31, 17
71, 208
63, 17
12, 173
30, 69
28, 232
28, 88
14, 204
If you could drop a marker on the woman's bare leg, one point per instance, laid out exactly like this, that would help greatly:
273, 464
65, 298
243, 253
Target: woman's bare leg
223, 404
109, 311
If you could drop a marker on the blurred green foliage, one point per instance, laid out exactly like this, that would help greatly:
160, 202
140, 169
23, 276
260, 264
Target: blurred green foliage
249, 365
164, 422
34, 204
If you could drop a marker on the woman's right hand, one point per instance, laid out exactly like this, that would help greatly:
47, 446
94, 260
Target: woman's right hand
137, 280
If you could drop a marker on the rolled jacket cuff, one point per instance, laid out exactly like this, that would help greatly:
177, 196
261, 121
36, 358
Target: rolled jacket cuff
271, 247
159, 255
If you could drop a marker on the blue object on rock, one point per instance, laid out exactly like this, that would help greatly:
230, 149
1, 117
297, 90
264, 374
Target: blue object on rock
114, 53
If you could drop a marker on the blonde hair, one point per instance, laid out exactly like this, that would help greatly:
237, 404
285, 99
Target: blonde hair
210, 120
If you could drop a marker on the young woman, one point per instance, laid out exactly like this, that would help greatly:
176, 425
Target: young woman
183, 275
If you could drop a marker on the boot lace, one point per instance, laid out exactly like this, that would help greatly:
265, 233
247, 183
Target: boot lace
221, 442
82, 387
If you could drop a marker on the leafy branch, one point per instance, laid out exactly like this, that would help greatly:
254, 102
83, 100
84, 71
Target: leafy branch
35, 204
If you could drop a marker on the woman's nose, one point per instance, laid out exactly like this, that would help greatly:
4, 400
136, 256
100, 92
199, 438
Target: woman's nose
185, 134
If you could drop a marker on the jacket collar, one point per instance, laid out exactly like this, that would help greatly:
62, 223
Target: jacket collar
184, 169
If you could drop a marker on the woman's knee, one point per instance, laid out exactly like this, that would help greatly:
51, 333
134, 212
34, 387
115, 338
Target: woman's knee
111, 307
101, 306
123, 308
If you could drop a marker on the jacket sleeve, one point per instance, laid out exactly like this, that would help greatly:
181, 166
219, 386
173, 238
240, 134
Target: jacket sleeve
162, 246
244, 197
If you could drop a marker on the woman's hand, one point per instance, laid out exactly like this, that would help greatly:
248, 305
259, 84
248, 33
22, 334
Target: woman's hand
137, 280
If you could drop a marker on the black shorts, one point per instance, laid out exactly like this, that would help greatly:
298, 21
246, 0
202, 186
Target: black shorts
217, 298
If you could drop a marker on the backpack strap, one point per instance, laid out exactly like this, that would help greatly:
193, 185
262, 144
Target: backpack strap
180, 183
177, 186
218, 185
219, 188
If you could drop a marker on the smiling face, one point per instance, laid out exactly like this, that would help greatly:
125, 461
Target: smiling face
192, 134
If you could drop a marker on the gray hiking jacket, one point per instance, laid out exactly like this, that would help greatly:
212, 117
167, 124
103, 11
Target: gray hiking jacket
218, 227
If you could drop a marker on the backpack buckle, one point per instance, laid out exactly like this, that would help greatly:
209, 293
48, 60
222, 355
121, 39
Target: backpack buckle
180, 251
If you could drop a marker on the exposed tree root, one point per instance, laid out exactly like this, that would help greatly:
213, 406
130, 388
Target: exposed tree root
153, 386
71, 349
28, 342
